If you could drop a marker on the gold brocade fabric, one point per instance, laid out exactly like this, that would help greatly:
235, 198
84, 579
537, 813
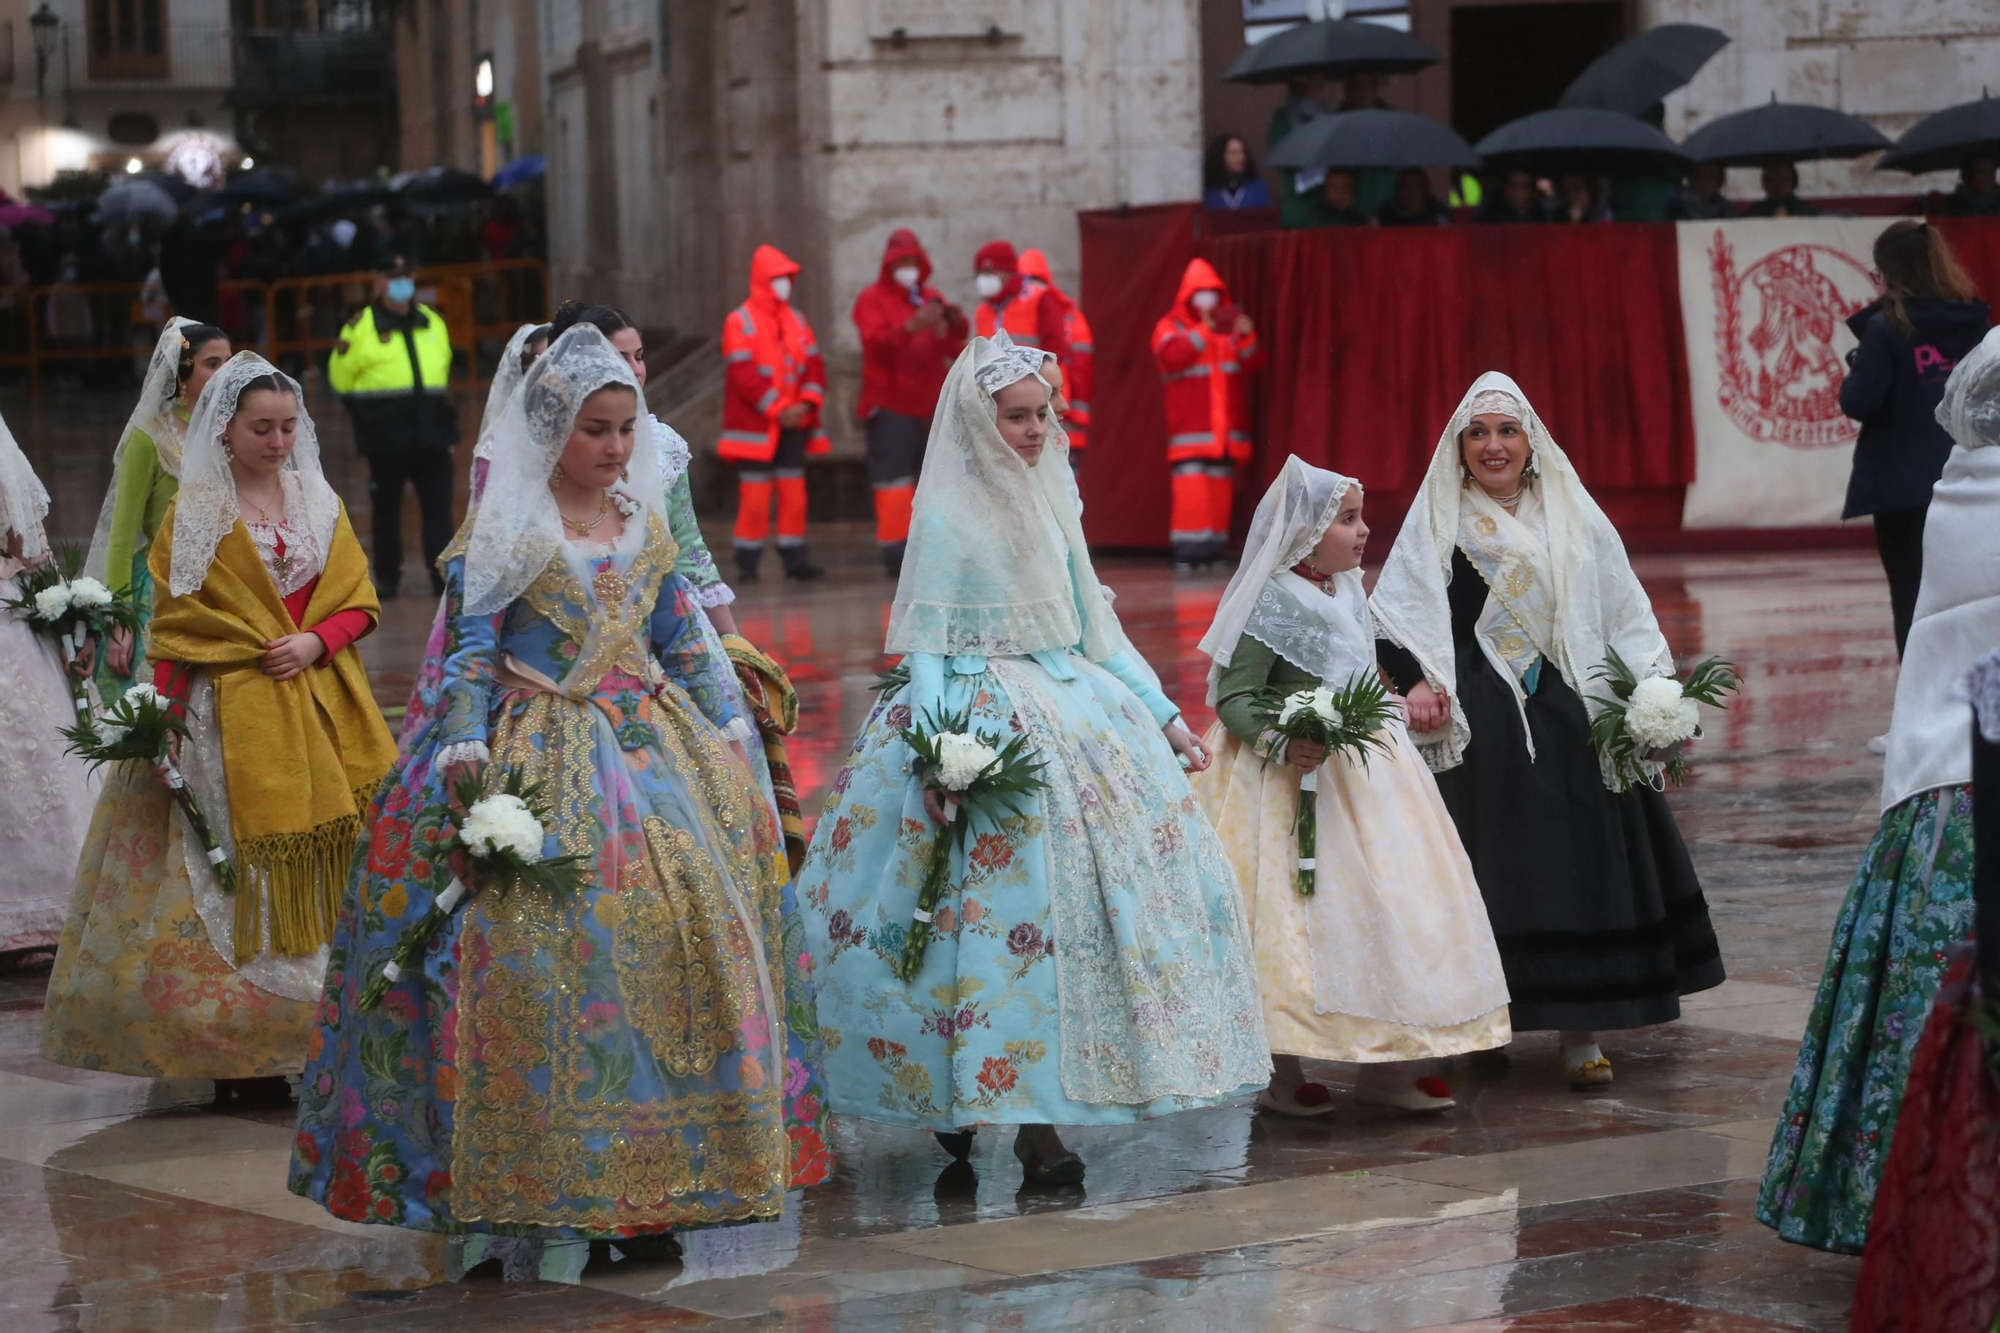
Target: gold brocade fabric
676, 933
301, 756
1519, 621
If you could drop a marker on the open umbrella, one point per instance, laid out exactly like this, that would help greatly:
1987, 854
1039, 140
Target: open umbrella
520, 171
136, 201
1333, 47
1644, 68
1361, 140
1581, 138
25, 215
1782, 132
440, 185
352, 198
1943, 141
264, 186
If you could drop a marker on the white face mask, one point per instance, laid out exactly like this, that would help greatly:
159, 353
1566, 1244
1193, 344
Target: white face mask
989, 285
908, 276
781, 287
1206, 300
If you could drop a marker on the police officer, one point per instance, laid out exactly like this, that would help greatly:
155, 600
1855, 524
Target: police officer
391, 368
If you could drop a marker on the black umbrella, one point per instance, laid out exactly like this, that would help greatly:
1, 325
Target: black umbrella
1782, 132
1333, 47
440, 185
264, 186
1943, 141
1581, 138
1361, 140
1644, 68
350, 197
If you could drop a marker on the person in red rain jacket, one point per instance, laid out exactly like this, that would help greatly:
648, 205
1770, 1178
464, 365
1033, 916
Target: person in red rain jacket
909, 338
1206, 349
1032, 314
774, 393
1079, 368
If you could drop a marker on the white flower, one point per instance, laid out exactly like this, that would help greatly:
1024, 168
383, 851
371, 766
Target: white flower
1658, 714
1315, 702
142, 694
627, 504
88, 592
110, 733
961, 759
502, 823
52, 601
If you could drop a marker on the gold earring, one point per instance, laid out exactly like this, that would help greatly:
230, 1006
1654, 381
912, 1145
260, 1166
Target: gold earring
555, 477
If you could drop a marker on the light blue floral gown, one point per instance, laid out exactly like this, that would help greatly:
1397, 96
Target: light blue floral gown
1091, 964
636, 1058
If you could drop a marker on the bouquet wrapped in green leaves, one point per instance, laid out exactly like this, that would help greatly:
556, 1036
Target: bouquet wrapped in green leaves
978, 775
1350, 720
501, 835
1657, 714
60, 604
141, 724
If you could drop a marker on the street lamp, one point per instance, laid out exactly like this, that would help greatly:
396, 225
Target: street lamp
44, 26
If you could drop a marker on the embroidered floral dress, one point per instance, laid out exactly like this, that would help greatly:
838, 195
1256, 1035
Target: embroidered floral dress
1091, 964
636, 1058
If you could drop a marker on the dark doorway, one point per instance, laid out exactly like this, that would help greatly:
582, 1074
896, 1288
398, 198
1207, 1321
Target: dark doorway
1510, 60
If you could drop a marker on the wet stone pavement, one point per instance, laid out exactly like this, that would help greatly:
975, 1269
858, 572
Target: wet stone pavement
124, 1206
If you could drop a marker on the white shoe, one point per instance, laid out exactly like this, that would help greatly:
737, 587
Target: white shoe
1420, 1095
1879, 744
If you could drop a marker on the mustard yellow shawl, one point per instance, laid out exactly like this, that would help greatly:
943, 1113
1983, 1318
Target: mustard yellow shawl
301, 758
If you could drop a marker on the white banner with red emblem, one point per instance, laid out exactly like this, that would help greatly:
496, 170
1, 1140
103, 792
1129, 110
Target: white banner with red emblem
1764, 303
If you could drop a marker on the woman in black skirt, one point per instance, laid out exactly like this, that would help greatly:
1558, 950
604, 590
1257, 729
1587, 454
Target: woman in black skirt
1506, 588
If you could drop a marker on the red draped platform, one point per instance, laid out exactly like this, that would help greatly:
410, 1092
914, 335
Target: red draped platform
1373, 335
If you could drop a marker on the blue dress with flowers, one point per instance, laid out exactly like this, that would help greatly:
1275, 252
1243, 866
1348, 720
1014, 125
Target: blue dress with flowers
636, 1057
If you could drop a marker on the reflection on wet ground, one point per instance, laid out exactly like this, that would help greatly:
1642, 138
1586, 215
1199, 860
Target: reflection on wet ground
123, 1206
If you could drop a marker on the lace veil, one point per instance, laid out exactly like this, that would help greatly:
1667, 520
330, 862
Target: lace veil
24, 501
997, 563
1600, 603
507, 377
517, 528
1325, 635
1970, 408
153, 414
206, 510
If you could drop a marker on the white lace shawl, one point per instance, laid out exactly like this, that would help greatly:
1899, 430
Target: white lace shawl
517, 528
1326, 635
1957, 620
1600, 603
24, 501
153, 414
507, 377
981, 574
206, 508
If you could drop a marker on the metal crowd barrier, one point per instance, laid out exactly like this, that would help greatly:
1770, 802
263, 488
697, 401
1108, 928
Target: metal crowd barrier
293, 322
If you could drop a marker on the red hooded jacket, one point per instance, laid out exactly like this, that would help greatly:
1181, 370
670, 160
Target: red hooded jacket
770, 360
903, 371
1206, 372
1031, 313
1080, 366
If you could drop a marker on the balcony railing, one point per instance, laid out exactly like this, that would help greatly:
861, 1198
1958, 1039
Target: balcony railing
183, 55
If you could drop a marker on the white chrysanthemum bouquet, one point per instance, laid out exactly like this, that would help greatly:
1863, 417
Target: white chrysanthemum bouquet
1348, 719
1656, 716
977, 774
60, 604
501, 835
141, 724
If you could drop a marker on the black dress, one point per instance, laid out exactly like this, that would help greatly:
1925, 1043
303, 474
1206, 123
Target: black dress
1594, 902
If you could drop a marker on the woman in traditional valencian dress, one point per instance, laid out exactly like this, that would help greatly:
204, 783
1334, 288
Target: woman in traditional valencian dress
654, 1028
262, 592
145, 469
1091, 965
1506, 589
1391, 959
45, 793
1911, 900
